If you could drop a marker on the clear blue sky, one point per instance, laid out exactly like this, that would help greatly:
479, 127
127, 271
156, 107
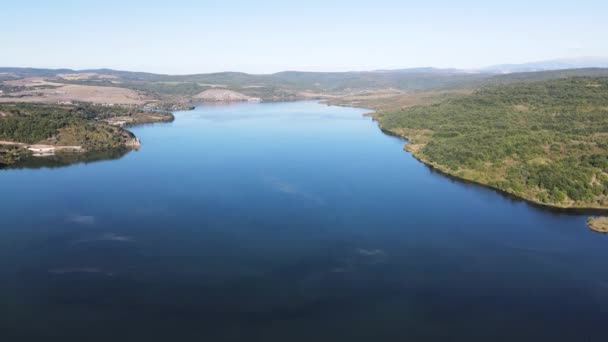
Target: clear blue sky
182, 36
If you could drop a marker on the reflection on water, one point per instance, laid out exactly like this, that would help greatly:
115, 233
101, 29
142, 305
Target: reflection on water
65, 159
286, 222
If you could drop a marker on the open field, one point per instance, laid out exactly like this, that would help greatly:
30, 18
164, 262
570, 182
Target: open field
74, 93
385, 99
31, 82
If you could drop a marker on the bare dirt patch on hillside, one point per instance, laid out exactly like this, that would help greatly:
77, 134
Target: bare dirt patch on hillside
521, 107
76, 77
31, 82
391, 99
85, 76
223, 95
212, 85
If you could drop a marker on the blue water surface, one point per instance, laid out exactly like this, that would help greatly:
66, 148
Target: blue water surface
286, 222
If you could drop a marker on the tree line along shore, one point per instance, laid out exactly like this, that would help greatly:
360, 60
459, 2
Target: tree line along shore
545, 141
540, 136
32, 129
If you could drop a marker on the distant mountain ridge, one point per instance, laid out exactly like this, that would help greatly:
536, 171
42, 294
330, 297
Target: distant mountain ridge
41, 84
545, 65
555, 64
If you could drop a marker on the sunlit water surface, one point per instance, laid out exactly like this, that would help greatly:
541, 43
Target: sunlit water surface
286, 222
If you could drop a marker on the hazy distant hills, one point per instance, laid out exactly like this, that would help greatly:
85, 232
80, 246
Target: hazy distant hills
427, 70
278, 85
555, 64
288, 85
240, 77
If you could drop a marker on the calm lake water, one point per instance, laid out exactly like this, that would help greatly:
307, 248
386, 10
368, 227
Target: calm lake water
286, 222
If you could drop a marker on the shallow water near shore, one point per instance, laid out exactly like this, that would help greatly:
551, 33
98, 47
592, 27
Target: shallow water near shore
286, 222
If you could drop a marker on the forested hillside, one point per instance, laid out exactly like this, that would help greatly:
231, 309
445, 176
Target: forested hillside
84, 125
544, 141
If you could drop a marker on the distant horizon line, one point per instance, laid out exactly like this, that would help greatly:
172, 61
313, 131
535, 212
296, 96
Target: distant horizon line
602, 60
